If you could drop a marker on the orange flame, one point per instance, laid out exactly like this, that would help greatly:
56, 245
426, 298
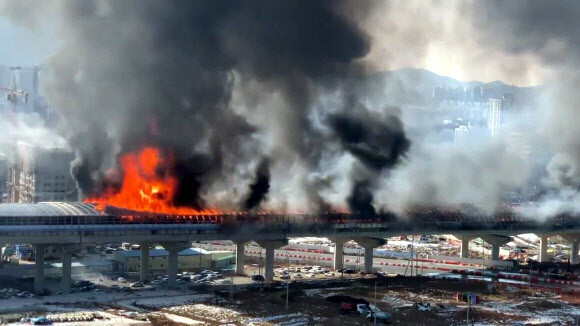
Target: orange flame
148, 186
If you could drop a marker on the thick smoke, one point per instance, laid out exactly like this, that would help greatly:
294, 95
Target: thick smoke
259, 189
147, 73
223, 85
378, 141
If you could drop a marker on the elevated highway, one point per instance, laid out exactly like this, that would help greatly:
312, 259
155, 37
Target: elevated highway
71, 224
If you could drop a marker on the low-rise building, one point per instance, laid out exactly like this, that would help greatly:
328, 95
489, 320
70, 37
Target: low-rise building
129, 261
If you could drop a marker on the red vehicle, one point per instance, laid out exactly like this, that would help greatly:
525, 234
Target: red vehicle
347, 307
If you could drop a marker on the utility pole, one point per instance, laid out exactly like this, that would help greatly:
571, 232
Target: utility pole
376, 307
287, 293
468, 307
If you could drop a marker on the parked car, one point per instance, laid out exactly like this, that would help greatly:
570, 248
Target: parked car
347, 307
382, 317
285, 276
156, 282
224, 282
258, 278
196, 277
297, 276
137, 285
121, 280
40, 321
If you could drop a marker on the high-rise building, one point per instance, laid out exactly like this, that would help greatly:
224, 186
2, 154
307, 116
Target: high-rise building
3, 178
40, 174
494, 115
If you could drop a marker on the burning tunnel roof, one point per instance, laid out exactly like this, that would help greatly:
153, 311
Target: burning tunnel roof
48, 209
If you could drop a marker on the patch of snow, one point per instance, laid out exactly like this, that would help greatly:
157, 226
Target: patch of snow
183, 320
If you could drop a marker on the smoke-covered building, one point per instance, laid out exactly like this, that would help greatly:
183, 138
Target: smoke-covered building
461, 134
494, 116
40, 174
519, 144
3, 178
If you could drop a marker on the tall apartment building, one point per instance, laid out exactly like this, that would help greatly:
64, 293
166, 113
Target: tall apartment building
40, 174
497, 106
494, 116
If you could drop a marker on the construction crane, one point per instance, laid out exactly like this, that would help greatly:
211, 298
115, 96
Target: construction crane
12, 93
35, 70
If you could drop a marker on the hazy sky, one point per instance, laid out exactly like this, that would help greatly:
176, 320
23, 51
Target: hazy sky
23, 46
442, 43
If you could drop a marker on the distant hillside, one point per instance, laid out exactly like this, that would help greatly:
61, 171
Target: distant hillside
415, 86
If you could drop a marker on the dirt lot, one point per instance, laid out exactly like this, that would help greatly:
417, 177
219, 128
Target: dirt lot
308, 305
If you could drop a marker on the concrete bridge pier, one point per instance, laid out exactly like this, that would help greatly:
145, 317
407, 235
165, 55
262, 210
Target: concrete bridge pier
144, 267
67, 251
173, 248
270, 246
338, 253
496, 241
39, 267
543, 256
574, 246
464, 252
369, 244
574, 240
240, 257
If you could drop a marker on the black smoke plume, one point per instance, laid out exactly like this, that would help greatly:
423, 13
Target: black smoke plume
360, 201
377, 141
131, 74
259, 189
